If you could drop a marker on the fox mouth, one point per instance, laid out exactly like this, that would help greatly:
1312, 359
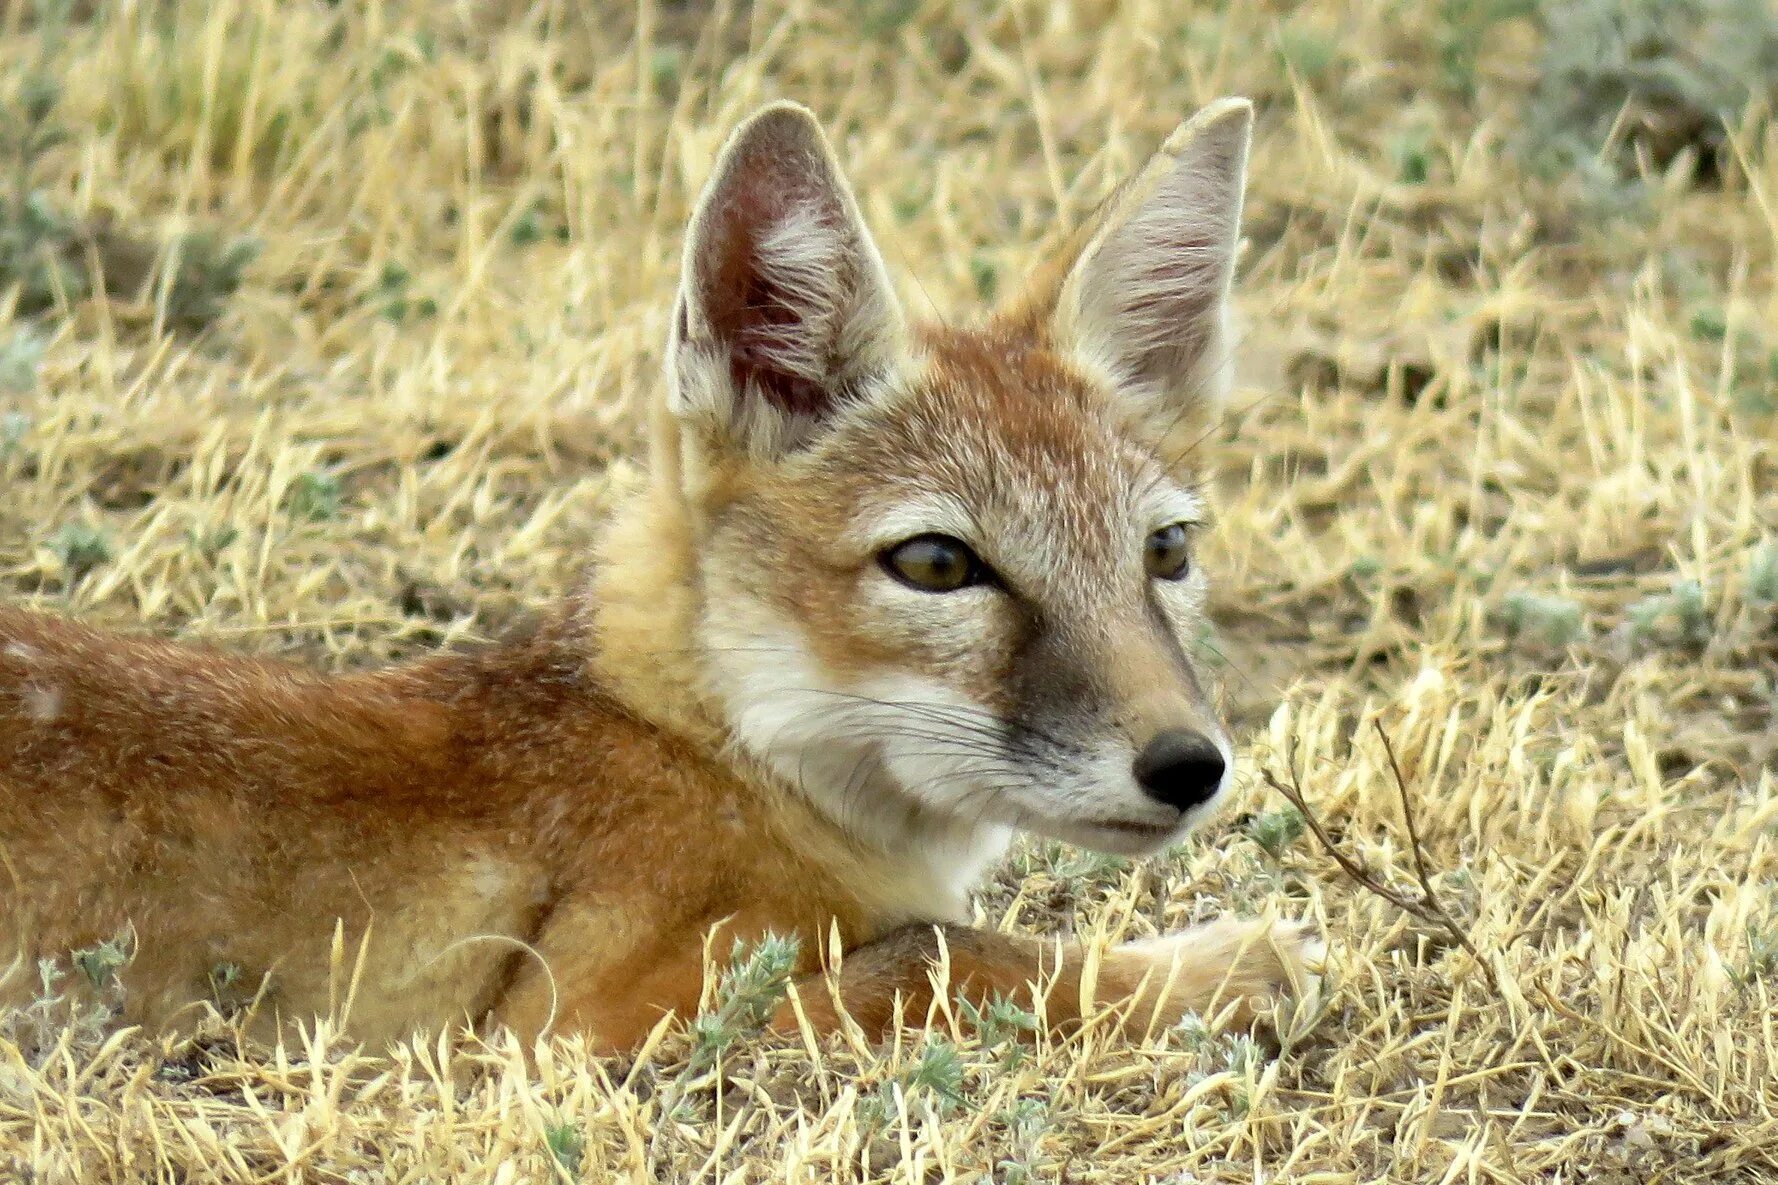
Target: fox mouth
1131, 835
1140, 830
1119, 836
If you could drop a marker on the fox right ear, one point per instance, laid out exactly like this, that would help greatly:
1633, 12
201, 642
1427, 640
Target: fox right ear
785, 312
1148, 295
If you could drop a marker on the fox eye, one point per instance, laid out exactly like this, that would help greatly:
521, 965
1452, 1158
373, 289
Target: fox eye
1167, 554
935, 563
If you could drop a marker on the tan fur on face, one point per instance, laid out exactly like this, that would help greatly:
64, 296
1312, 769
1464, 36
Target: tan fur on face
998, 440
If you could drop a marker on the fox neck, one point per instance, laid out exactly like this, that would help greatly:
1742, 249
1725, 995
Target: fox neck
646, 602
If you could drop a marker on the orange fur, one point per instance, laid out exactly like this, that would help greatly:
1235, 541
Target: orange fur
547, 830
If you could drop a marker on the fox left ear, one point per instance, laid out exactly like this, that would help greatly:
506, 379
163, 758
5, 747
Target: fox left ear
785, 311
1148, 295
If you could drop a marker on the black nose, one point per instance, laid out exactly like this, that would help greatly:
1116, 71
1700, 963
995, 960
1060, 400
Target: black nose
1180, 767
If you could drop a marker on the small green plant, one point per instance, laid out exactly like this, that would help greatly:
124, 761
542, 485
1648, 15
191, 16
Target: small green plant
752, 987
77, 1010
1681, 614
1412, 155
1762, 956
393, 298
935, 1079
314, 497
36, 249
81, 548
1308, 53
1242, 1054
1754, 391
938, 1072
1709, 323
35, 244
207, 269
527, 228
1001, 1027
1192, 1032
210, 544
567, 1147
1276, 830
1072, 864
13, 427
1461, 29
1215, 1053
1027, 1121
883, 19
1554, 621
666, 67
1762, 574
1242, 1057
19, 357
228, 986
985, 275
910, 204
100, 963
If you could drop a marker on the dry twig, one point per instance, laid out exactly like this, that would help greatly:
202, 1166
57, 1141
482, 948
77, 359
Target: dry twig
1427, 907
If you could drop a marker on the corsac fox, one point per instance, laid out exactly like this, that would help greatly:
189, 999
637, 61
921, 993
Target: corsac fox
889, 593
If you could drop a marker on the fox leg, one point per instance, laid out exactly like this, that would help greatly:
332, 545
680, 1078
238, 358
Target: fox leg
1204, 969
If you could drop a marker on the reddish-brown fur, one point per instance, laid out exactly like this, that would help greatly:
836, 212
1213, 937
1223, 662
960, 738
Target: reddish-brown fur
228, 811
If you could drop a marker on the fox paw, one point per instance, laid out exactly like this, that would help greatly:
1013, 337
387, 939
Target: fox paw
1233, 965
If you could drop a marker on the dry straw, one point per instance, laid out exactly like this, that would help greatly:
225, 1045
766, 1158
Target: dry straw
1495, 542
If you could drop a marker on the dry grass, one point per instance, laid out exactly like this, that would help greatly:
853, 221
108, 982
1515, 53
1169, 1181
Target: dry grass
1500, 476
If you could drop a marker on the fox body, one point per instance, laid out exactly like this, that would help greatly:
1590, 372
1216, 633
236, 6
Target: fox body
887, 594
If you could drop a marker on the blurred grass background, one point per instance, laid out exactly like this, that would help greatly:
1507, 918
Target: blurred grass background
324, 327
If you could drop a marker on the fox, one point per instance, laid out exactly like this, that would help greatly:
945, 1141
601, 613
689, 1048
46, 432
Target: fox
886, 594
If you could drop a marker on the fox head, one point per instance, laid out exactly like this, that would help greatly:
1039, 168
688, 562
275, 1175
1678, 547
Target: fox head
945, 576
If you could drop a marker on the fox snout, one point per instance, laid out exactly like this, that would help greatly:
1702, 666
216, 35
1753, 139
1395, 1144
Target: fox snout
1181, 768
1181, 759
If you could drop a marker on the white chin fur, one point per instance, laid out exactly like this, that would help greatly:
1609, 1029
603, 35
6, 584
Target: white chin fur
848, 746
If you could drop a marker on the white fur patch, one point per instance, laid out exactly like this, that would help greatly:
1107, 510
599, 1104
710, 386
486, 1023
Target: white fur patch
806, 260
1165, 503
489, 879
878, 760
908, 765
43, 704
942, 514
